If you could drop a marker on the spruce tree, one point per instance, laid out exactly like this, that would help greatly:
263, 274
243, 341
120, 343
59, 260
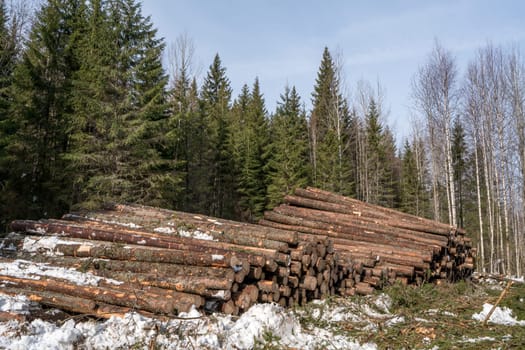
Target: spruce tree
288, 163
330, 131
390, 196
8, 54
118, 139
459, 156
375, 154
183, 135
42, 110
382, 163
251, 182
413, 193
409, 185
8, 60
217, 162
237, 145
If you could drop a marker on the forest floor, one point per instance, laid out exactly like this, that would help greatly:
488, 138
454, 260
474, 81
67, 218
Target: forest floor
446, 316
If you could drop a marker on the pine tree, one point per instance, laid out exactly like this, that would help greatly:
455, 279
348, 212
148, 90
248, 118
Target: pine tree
217, 162
329, 131
288, 164
42, 110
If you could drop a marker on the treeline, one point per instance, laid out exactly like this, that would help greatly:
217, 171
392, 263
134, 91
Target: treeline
89, 116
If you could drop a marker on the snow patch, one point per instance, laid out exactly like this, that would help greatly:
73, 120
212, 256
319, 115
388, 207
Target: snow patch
272, 319
217, 257
192, 330
113, 222
165, 230
18, 304
478, 339
31, 270
220, 294
500, 315
39, 335
196, 234
395, 320
46, 244
441, 312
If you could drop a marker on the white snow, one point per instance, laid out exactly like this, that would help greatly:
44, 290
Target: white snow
165, 230
219, 294
196, 234
39, 335
217, 257
370, 314
478, 339
35, 271
113, 222
502, 316
266, 319
191, 330
18, 304
45, 244
441, 312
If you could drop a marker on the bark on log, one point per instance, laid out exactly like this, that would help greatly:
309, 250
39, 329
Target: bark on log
201, 285
365, 209
252, 254
139, 299
155, 255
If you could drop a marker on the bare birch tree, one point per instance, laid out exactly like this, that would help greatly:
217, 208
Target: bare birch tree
436, 97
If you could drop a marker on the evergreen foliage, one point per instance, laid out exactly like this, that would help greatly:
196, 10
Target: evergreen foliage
86, 118
42, 109
217, 161
121, 112
382, 163
288, 164
459, 155
414, 198
252, 181
329, 131
8, 60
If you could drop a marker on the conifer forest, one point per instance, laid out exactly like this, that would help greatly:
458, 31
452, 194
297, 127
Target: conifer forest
95, 109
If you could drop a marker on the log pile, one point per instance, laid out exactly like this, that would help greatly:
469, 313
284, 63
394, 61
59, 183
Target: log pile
162, 262
167, 261
376, 245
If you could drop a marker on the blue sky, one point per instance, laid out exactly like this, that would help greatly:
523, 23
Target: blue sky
281, 41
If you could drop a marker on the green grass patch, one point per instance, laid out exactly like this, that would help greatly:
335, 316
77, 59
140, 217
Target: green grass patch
441, 316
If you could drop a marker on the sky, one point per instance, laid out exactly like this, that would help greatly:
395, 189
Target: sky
382, 42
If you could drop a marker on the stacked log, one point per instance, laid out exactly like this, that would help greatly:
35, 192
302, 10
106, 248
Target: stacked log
167, 261
376, 245
163, 262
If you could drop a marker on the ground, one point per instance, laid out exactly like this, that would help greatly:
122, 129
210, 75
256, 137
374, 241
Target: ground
446, 316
